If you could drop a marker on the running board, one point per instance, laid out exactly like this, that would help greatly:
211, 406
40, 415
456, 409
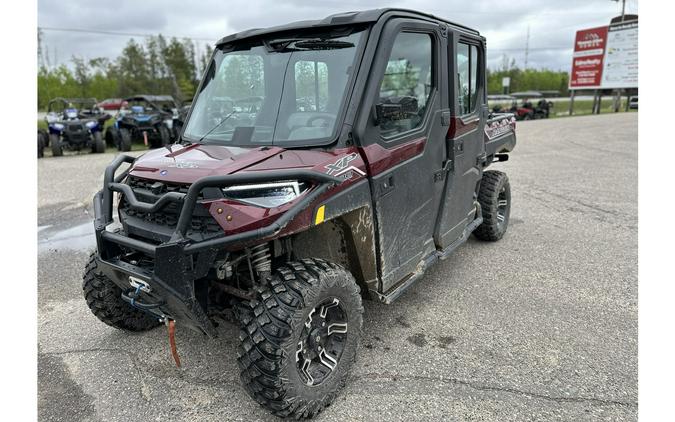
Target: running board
427, 262
444, 253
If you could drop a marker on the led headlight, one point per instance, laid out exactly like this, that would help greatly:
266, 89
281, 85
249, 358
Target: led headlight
90, 125
266, 195
58, 126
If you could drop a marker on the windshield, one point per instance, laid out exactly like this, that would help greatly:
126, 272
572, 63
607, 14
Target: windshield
278, 92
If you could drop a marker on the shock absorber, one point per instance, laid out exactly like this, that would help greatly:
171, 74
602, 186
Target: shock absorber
261, 260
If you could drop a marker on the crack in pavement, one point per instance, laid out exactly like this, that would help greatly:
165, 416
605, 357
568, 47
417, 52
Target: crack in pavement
482, 387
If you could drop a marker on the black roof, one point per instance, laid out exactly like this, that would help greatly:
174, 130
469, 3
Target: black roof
345, 18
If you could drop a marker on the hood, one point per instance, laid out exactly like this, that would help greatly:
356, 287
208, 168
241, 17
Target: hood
185, 164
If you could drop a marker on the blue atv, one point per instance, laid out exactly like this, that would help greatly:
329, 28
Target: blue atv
75, 124
146, 118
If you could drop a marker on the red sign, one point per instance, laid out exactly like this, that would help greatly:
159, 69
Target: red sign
589, 51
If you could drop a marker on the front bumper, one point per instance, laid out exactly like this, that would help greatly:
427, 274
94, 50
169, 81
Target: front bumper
175, 270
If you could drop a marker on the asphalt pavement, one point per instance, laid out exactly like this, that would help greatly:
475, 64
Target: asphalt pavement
542, 325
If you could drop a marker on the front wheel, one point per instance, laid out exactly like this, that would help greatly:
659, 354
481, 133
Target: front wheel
494, 198
99, 144
164, 136
41, 145
104, 298
125, 140
57, 148
299, 339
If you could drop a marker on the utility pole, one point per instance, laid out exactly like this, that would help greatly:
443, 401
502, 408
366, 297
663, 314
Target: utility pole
527, 45
623, 8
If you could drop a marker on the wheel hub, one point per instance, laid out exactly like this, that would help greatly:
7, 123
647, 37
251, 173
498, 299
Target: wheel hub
502, 204
321, 342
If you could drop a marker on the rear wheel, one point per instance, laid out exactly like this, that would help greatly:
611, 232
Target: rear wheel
99, 144
299, 338
57, 148
104, 298
494, 197
125, 140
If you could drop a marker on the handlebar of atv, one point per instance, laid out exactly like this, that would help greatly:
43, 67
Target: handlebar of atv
103, 204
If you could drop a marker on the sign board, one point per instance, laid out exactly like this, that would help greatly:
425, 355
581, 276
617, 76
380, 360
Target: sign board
589, 52
506, 82
621, 57
606, 57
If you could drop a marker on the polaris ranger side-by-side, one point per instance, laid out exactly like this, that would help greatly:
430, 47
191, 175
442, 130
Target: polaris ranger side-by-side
148, 118
361, 165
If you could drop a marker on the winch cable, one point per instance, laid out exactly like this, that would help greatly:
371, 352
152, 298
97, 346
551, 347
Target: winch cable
171, 324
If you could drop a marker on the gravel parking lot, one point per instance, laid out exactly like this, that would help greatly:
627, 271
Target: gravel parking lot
542, 325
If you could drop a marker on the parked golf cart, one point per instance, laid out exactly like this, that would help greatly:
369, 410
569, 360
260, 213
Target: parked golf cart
146, 118
75, 124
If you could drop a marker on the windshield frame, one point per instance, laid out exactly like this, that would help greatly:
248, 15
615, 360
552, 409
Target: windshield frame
247, 43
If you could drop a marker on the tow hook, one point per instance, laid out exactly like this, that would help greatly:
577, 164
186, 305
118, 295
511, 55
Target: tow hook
171, 325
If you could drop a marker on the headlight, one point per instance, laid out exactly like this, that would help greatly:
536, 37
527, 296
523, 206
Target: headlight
58, 126
267, 195
90, 125
169, 123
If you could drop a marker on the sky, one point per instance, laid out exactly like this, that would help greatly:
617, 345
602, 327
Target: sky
552, 23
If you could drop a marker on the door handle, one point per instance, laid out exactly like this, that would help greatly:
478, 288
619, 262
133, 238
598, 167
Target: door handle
459, 146
385, 186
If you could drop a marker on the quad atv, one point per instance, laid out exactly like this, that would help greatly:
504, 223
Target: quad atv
146, 118
362, 165
74, 124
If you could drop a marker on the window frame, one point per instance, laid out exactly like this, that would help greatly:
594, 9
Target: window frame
480, 84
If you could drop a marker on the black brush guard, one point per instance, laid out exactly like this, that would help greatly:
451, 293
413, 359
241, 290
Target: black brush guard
179, 262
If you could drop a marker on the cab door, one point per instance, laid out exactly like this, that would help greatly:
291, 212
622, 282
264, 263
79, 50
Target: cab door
403, 143
465, 142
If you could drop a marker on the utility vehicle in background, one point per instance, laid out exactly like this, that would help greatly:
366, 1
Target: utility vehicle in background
361, 163
74, 124
145, 118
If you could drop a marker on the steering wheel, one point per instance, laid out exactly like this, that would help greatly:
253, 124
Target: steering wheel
327, 119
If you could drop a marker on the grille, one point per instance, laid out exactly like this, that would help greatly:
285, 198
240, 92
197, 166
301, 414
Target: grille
75, 128
147, 190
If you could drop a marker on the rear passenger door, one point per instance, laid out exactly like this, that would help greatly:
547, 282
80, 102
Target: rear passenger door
465, 143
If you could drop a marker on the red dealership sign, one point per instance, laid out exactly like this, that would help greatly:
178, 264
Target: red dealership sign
588, 56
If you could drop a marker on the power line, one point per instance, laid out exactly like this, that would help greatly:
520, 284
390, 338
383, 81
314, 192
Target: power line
529, 48
123, 34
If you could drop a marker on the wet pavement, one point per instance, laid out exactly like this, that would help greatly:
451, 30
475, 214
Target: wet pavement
539, 326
